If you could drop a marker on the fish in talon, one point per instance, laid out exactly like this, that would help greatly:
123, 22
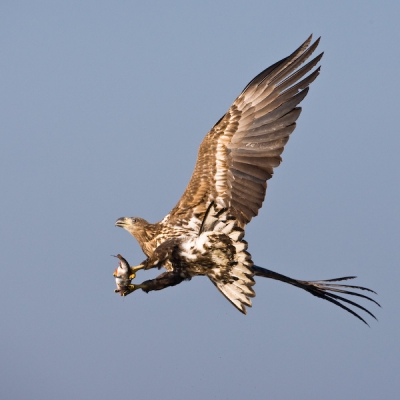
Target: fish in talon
123, 276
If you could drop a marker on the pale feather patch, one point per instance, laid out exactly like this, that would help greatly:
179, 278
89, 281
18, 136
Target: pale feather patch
240, 246
231, 297
243, 258
219, 226
244, 288
220, 176
165, 219
236, 235
187, 248
241, 273
236, 294
203, 242
229, 226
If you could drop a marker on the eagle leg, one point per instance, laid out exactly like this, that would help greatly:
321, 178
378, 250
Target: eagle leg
134, 269
162, 281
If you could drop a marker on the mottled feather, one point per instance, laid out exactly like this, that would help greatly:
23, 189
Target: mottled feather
203, 234
246, 143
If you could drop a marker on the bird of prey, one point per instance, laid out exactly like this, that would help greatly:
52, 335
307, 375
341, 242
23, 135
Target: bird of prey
203, 234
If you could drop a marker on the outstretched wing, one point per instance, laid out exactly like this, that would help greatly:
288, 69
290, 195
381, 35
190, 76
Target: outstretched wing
238, 155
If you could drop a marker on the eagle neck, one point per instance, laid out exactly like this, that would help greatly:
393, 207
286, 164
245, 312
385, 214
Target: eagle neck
145, 237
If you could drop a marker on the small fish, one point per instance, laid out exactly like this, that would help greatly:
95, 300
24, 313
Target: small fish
123, 276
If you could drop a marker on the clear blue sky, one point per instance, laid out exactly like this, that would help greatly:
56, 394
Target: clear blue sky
103, 106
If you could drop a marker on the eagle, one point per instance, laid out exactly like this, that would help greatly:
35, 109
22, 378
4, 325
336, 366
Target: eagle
203, 234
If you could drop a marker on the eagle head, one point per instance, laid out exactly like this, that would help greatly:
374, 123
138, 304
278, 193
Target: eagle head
137, 227
131, 224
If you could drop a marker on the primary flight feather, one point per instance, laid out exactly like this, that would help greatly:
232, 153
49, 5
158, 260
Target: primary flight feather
203, 234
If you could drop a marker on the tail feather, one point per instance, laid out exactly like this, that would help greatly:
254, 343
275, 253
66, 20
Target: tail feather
323, 290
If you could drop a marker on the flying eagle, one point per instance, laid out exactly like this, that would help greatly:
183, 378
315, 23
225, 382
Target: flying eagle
203, 234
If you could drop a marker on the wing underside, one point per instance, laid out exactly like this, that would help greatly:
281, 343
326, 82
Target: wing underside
239, 154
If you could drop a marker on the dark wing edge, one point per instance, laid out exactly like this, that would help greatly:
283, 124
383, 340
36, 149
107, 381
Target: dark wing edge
238, 155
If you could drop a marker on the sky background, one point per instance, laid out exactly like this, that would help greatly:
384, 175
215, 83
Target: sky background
103, 107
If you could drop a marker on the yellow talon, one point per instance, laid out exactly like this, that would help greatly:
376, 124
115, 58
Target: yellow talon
129, 289
133, 270
136, 268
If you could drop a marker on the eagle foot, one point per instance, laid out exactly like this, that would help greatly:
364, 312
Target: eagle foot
123, 276
131, 288
134, 269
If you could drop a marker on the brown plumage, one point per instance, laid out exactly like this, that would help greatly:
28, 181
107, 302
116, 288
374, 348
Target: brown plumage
203, 234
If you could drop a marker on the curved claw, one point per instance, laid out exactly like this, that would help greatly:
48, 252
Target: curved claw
129, 289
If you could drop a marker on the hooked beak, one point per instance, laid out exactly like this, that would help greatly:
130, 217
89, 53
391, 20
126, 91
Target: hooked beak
120, 222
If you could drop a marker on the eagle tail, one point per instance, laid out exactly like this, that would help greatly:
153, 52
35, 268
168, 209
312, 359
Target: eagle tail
324, 289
